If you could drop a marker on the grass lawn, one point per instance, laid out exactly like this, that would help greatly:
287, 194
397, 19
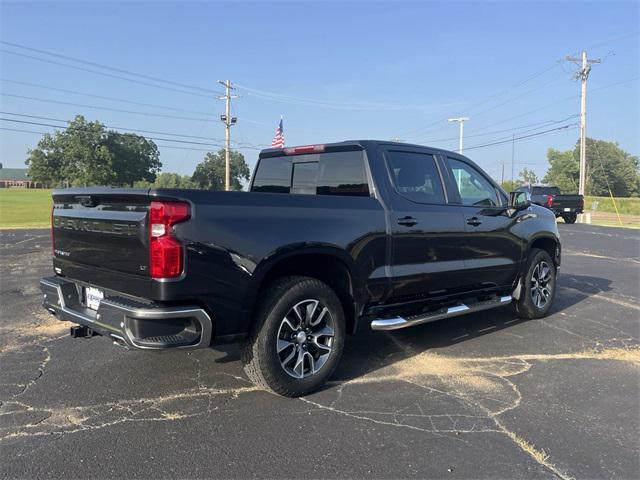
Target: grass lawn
629, 206
28, 208
24, 208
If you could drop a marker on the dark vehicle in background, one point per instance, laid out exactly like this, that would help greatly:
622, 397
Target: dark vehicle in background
566, 206
330, 239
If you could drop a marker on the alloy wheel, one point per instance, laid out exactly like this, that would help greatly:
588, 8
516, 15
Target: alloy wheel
541, 284
305, 338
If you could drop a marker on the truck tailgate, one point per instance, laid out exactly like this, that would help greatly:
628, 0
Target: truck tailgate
567, 201
102, 228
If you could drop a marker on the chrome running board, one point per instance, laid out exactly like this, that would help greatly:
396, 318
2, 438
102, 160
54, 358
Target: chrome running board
454, 311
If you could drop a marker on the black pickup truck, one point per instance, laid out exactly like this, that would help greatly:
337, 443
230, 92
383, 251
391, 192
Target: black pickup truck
330, 239
566, 206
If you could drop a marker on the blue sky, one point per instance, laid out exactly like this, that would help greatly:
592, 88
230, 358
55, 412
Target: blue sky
336, 71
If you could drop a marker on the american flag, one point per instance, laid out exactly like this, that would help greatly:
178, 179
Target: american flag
278, 140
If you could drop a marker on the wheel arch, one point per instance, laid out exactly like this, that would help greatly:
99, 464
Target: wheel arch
330, 265
548, 243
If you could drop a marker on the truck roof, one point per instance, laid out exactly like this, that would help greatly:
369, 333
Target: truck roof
358, 143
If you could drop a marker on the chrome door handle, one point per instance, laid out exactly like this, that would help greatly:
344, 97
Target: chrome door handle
407, 221
475, 221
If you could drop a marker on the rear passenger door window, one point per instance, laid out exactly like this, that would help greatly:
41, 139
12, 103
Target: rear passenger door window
416, 177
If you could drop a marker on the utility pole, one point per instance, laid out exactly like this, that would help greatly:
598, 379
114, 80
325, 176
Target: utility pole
228, 120
583, 75
461, 121
513, 153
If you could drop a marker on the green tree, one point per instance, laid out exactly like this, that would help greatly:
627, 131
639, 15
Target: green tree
528, 176
133, 158
608, 166
510, 185
85, 153
564, 170
209, 173
168, 180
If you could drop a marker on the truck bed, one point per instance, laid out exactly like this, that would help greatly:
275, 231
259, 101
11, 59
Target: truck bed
101, 239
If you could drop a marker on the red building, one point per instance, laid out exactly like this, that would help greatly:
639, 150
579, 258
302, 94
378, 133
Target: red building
17, 178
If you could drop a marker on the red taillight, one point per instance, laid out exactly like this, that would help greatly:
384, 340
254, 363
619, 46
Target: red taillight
304, 149
549, 200
53, 240
165, 251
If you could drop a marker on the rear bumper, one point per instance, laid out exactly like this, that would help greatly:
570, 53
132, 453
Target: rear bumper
560, 211
131, 323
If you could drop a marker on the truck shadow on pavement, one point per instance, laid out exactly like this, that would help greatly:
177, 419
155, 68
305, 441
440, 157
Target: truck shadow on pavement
370, 351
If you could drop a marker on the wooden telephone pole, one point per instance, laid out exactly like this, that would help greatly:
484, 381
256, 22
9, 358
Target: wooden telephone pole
583, 75
228, 120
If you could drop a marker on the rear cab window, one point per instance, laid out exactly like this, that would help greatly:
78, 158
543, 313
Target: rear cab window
273, 175
545, 191
328, 173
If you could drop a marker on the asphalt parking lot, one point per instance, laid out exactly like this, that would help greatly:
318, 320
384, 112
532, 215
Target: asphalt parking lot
485, 395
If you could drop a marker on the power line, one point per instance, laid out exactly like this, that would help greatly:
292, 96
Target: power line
608, 40
186, 148
509, 100
535, 75
20, 130
564, 127
102, 97
107, 67
554, 103
120, 77
123, 128
506, 91
538, 124
427, 128
496, 95
337, 105
84, 129
96, 107
204, 149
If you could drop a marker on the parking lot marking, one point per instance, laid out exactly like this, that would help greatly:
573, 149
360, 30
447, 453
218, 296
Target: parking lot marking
601, 257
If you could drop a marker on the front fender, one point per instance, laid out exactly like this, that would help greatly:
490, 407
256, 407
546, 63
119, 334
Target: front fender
539, 226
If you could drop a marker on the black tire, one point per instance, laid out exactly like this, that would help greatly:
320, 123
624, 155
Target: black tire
263, 363
570, 218
528, 306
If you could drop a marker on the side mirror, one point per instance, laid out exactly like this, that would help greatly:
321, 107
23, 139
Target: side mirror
519, 200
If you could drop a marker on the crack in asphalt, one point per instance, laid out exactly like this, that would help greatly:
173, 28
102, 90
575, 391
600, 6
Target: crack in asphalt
68, 420
482, 384
477, 390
